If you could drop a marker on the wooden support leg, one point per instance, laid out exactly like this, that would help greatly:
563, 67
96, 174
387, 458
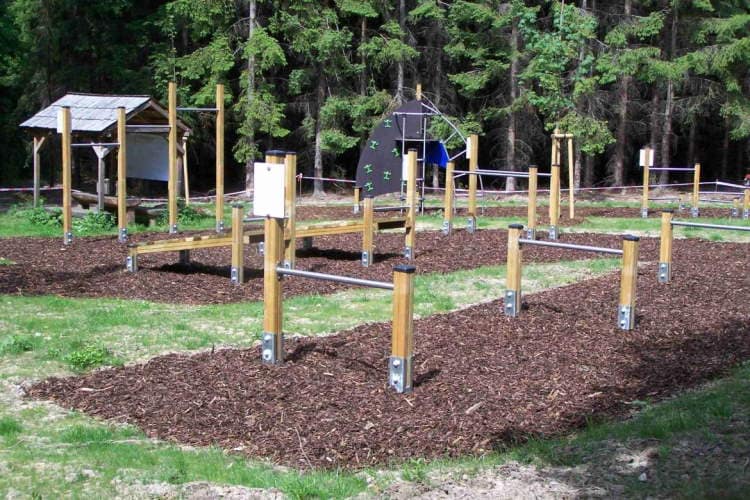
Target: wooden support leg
746, 205
473, 150
411, 201
290, 202
400, 364
531, 222
357, 199
695, 210
628, 279
172, 148
554, 203
665, 247
220, 112
644, 198
735, 208
238, 246
67, 159
272, 346
368, 246
571, 181
448, 199
122, 176
513, 272
131, 263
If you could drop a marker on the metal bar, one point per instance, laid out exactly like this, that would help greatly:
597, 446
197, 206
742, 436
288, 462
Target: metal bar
711, 226
729, 184
198, 109
672, 169
500, 173
571, 246
336, 279
92, 144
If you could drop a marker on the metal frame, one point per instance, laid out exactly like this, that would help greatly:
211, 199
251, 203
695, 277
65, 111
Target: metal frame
571, 246
383, 285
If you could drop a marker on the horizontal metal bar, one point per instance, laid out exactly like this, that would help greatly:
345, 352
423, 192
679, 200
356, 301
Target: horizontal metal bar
147, 126
729, 184
336, 279
387, 209
571, 246
92, 144
198, 109
710, 226
671, 169
499, 173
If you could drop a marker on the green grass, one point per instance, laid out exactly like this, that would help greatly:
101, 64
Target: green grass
6, 262
652, 227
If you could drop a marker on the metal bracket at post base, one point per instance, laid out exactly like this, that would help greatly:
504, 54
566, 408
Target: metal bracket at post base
626, 318
272, 348
123, 236
694, 212
471, 224
261, 248
400, 374
235, 276
644, 213
220, 226
512, 303
130, 264
746, 214
530, 233
173, 229
67, 238
408, 253
355, 208
447, 226
553, 233
665, 272
366, 259
735, 213
286, 264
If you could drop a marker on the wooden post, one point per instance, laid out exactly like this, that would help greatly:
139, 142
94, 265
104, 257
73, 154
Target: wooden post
290, 204
38, 143
172, 183
571, 180
368, 232
131, 262
531, 221
357, 199
554, 202
665, 247
646, 180
448, 199
67, 160
695, 210
185, 172
473, 153
411, 201
238, 245
746, 205
122, 176
220, 111
628, 279
513, 272
272, 347
400, 364
419, 92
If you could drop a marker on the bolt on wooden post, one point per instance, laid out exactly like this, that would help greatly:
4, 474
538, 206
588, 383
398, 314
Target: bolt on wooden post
531, 222
122, 176
400, 363
368, 231
220, 113
290, 207
67, 161
472, 152
513, 272
628, 279
238, 245
172, 148
448, 199
695, 210
665, 247
411, 201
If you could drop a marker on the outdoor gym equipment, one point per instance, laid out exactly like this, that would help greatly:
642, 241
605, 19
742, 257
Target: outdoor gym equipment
628, 277
647, 162
665, 244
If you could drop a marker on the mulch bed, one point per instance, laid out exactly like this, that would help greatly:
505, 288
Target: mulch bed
483, 381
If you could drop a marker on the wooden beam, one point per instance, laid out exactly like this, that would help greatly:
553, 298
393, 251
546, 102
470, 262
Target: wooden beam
172, 183
695, 211
185, 170
220, 112
628, 280
238, 247
411, 201
272, 347
554, 203
290, 207
67, 162
473, 162
448, 199
402, 336
665, 247
531, 220
122, 176
38, 143
419, 92
571, 181
368, 232
513, 272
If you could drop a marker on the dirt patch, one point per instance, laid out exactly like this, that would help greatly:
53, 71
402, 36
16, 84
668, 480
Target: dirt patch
483, 380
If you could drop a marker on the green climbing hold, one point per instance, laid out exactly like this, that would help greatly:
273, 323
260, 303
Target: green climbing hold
387, 175
387, 123
368, 168
369, 186
374, 144
396, 152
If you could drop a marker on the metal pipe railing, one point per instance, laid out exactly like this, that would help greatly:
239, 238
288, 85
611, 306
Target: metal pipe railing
570, 246
710, 226
334, 278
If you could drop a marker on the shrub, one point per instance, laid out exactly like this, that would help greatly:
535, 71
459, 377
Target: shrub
38, 216
89, 357
186, 214
94, 222
16, 345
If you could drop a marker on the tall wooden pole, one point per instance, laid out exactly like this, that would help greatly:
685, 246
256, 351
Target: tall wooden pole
554, 202
172, 183
357, 199
448, 199
400, 364
695, 210
646, 179
220, 111
571, 180
419, 92
746, 205
411, 201
185, 169
628, 280
513, 272
531, 222
368, 231
122, 176
665, 247
238, 245
38, 142
67, 165
473, 151
290, 207
272, 344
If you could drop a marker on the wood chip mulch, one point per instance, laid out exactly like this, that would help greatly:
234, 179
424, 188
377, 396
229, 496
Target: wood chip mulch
483, 381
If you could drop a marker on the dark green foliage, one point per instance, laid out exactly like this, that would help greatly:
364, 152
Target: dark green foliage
88, 357
94, 223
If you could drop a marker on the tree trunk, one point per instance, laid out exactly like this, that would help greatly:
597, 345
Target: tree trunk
250, 138
363, 60
655, 124
691, 142
510, 183
318, 162
724, 172
666, 140
400, 63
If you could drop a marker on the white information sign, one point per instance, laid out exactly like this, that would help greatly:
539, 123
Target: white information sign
647, 155
268, 194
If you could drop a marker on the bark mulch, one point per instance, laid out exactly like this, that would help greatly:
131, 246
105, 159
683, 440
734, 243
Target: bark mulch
483, 381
